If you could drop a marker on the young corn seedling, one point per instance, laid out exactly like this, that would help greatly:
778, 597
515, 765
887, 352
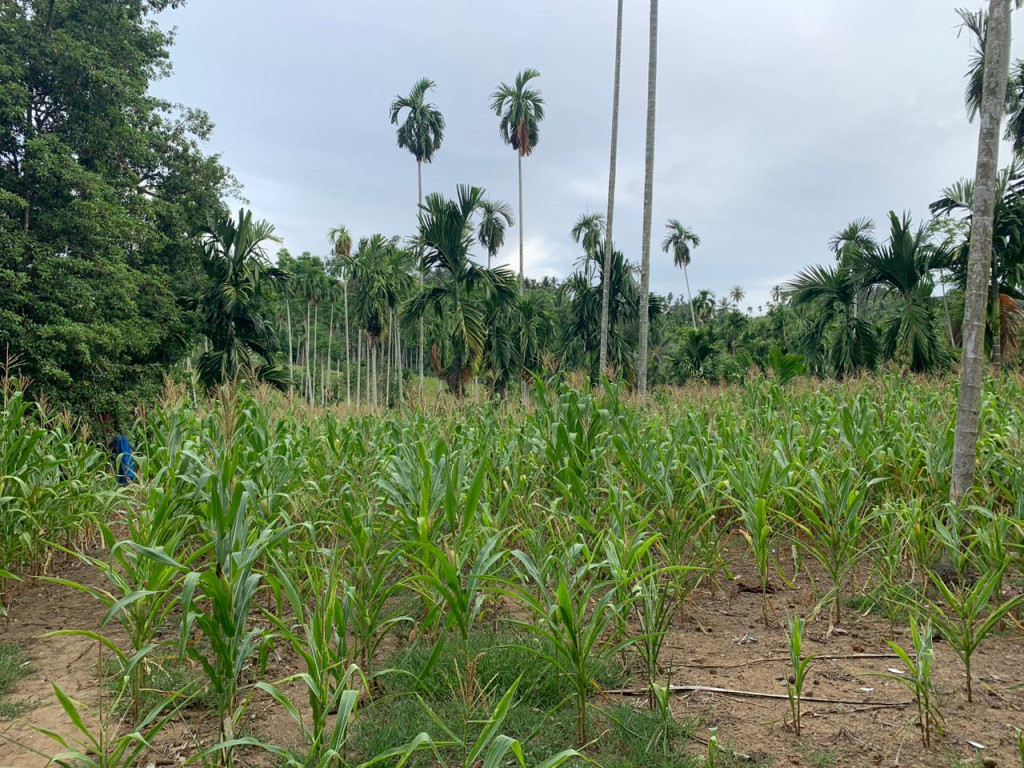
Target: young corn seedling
798, 668
758, 534
919, 681
971, 614
712, 747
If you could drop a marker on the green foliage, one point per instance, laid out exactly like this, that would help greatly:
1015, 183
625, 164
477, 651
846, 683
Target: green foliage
919, 681
799, 665
13, 667
103, 192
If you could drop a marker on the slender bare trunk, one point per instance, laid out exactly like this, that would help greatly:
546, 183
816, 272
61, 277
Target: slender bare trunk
309, 380
419, 177
348, 355
330, 345
522, 276
945, 304
645, 260
388, 360
313, 361
972, 363
359, 369
608, 243
291, 359
373, 366
689, 298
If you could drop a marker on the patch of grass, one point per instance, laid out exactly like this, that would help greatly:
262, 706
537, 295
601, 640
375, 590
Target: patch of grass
817, 756
501, 659
165, 676
13, 667
891, 604
418, 697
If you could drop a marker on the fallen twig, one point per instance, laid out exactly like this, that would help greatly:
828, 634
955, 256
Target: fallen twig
768, 659
757, 695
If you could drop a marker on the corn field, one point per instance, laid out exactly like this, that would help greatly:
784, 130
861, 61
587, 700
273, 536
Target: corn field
431, 588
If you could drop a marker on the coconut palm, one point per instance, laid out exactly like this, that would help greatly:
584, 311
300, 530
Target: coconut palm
458, 293
605, 288
495, 217
521, 109
341, 246
645, 260
239, 278
737, 294
421, 132
679, 242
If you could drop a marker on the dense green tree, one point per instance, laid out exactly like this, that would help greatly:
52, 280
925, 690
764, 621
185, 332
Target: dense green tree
104, 191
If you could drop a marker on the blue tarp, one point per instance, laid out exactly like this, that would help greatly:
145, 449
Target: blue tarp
125, 460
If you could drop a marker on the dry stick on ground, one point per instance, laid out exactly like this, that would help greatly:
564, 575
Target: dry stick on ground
768, 659
758, 695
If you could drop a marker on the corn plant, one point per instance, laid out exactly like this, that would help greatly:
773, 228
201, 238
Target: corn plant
217, 601
758, 532
457, 583
368, 560
971, 613
574, 619
712, 747
798, 668
318, 635
919, 681
835, 527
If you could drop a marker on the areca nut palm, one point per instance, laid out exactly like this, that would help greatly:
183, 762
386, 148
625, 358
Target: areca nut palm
457, 294
679, 241
495, 217
422, 133
520, 108
239, 276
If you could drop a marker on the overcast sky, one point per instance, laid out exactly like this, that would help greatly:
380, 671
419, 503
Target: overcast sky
778, 120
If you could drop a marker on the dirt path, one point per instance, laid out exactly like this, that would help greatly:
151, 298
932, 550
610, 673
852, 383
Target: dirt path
70, 662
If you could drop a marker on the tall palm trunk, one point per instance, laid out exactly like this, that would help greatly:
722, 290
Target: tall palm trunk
326, 385
313, 361
291, 358
689, 298
979, 263
522, 276
419, 178
645, 261
373, 369
359, 369
348, 355
608, 243
309, 379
